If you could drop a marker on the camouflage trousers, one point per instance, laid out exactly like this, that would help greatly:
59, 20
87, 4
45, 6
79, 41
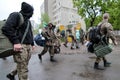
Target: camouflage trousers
48, 48
98, 59
22, 60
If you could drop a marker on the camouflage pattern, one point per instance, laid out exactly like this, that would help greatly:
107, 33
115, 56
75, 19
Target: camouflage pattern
49, 35
48, 48
51, 40
107, 30
22, 60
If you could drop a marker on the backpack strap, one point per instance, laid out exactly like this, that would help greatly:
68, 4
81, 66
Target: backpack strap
26, 31
21, 21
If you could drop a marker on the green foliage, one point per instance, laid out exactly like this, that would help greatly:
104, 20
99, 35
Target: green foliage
88, 9
115, 14
92, 11
44, 20
40, 26
36, 31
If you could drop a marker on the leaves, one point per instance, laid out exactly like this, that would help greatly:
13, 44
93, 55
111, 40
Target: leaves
44, 20
92, 11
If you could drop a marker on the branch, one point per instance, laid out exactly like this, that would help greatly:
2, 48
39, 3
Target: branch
87, 10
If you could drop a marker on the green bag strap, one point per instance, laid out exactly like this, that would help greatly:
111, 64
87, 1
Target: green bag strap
21, 19
28, 23
20, 23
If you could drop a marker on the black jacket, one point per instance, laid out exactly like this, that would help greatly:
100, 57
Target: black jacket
10, 27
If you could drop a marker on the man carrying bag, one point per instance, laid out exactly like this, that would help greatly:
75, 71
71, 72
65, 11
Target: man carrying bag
21, 46
103, 48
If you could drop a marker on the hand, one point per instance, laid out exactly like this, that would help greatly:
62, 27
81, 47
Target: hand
17, 47
33, 47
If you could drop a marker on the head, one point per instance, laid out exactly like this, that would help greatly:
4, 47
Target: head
105, 16
50, 25
26, 10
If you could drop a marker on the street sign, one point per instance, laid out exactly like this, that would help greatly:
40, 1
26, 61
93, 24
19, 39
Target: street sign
62, 27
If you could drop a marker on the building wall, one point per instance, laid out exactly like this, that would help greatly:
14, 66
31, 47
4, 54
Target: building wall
42, 8
61, 12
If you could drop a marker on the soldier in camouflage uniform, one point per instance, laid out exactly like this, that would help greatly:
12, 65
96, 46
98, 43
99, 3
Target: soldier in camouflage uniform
50, 38
106, 30
23, 56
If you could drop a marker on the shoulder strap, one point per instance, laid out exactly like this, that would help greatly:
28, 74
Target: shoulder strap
21, 21
26, 31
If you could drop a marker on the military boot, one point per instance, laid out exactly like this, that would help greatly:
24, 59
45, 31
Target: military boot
40, 57
72, 48
52, 59
65, 45
96, 66
77, 47
106, 64
10, 77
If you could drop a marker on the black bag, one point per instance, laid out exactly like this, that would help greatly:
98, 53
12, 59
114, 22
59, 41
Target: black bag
57, 49
90, 47
39, 41
94, 35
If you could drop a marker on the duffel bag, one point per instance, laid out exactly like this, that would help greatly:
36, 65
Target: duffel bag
102, 50
90, 47
6, 47
39, 41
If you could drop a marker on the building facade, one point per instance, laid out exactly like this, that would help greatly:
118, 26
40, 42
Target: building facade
62, 12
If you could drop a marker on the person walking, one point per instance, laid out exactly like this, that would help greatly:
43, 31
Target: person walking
82, 34
15, 35
50, 37
71, 35
106, 30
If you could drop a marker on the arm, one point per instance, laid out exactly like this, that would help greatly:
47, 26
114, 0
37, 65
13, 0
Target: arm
111, 35
9, 29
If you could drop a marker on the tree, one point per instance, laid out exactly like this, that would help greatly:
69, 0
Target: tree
92, 10
44, 20
115, 14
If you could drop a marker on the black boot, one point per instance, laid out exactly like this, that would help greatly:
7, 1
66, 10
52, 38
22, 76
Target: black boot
11, 77
51, 59
65, 45
77, 47
40, 57
96, 66
106, 64
72, 48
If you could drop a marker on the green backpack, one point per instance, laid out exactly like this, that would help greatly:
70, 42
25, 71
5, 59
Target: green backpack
6, 47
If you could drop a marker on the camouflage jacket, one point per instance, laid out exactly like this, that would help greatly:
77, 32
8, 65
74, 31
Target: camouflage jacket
49, 36
107, 30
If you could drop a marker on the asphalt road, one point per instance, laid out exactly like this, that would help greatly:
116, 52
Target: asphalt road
74, 64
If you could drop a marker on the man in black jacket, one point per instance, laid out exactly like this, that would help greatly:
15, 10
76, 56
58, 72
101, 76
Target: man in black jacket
22, 58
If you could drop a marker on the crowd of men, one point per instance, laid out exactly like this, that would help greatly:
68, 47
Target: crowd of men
52, 38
